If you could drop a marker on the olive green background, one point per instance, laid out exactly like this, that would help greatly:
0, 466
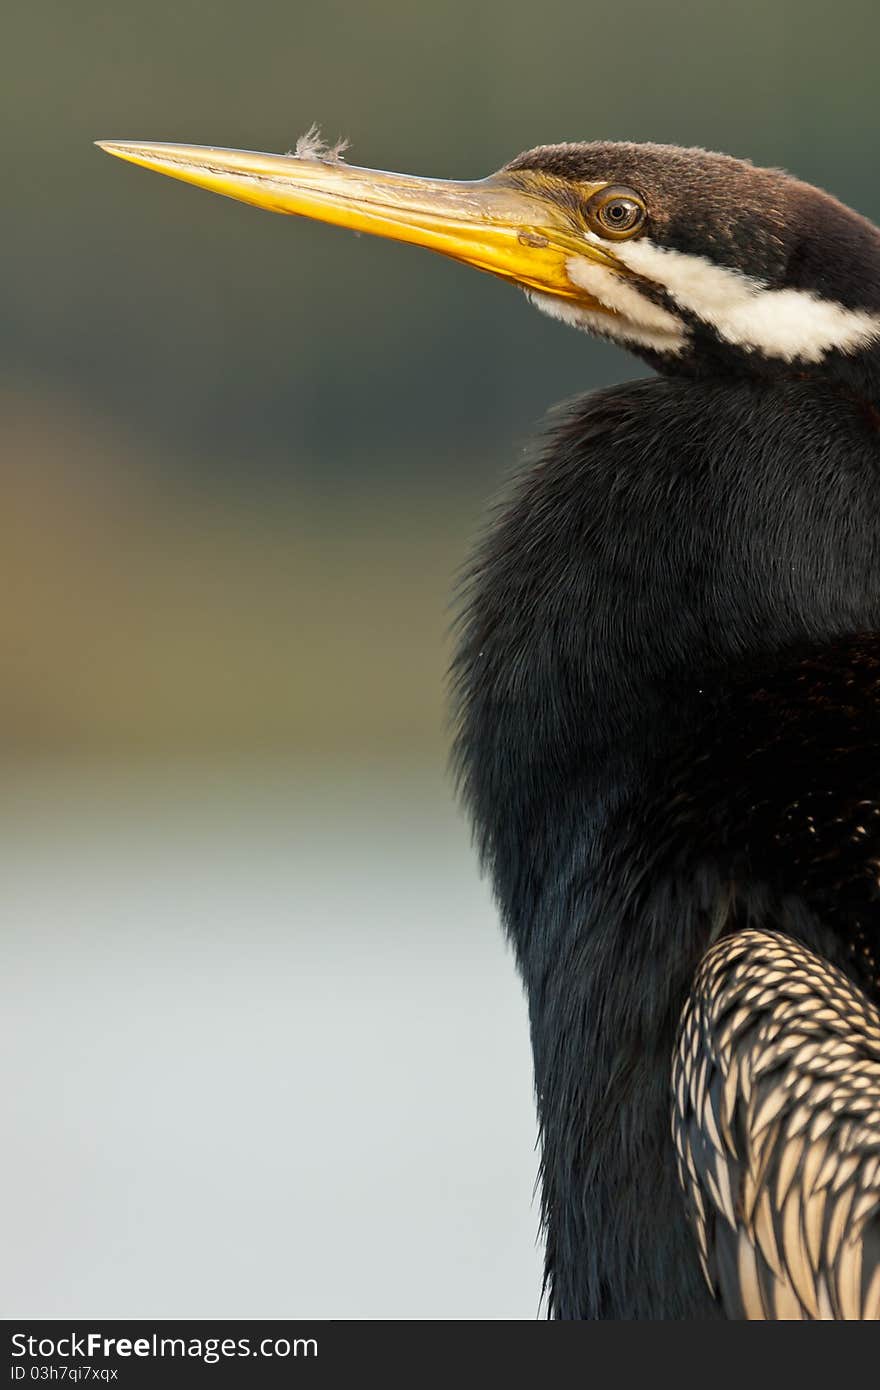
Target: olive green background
266, 1053
243, 455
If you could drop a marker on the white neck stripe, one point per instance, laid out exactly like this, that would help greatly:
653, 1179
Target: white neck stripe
789, 324
613, 326
618, 293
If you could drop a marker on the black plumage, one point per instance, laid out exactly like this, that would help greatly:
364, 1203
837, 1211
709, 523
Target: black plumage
655, 696
667, 690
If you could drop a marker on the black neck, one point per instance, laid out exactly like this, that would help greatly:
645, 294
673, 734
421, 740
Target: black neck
854, 378
670, 533
667, 532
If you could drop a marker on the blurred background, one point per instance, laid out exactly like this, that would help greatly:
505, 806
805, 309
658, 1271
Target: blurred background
265, 1052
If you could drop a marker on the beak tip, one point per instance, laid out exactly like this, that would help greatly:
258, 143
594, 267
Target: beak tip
123, 149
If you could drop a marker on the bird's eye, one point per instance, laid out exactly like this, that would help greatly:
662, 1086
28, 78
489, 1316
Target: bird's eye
616, 213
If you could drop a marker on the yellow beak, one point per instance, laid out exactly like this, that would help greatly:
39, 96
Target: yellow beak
509, 225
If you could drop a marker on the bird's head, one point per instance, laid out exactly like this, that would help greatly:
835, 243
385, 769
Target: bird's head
697, 261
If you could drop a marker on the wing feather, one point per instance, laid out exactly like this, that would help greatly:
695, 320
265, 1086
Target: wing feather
776, 1121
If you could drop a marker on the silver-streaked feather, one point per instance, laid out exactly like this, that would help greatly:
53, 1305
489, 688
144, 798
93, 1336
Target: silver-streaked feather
776, 1122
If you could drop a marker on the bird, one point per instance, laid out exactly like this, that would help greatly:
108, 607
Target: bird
667, 701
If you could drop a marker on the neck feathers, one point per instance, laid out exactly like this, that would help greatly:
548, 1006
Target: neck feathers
668, 531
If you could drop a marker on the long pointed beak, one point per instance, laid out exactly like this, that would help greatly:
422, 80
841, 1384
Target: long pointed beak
497, 224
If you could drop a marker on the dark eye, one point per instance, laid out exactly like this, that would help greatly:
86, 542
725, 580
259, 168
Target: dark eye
616, 212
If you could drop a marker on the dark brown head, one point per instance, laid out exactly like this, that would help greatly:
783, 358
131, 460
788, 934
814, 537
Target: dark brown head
746, 267
697, 261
